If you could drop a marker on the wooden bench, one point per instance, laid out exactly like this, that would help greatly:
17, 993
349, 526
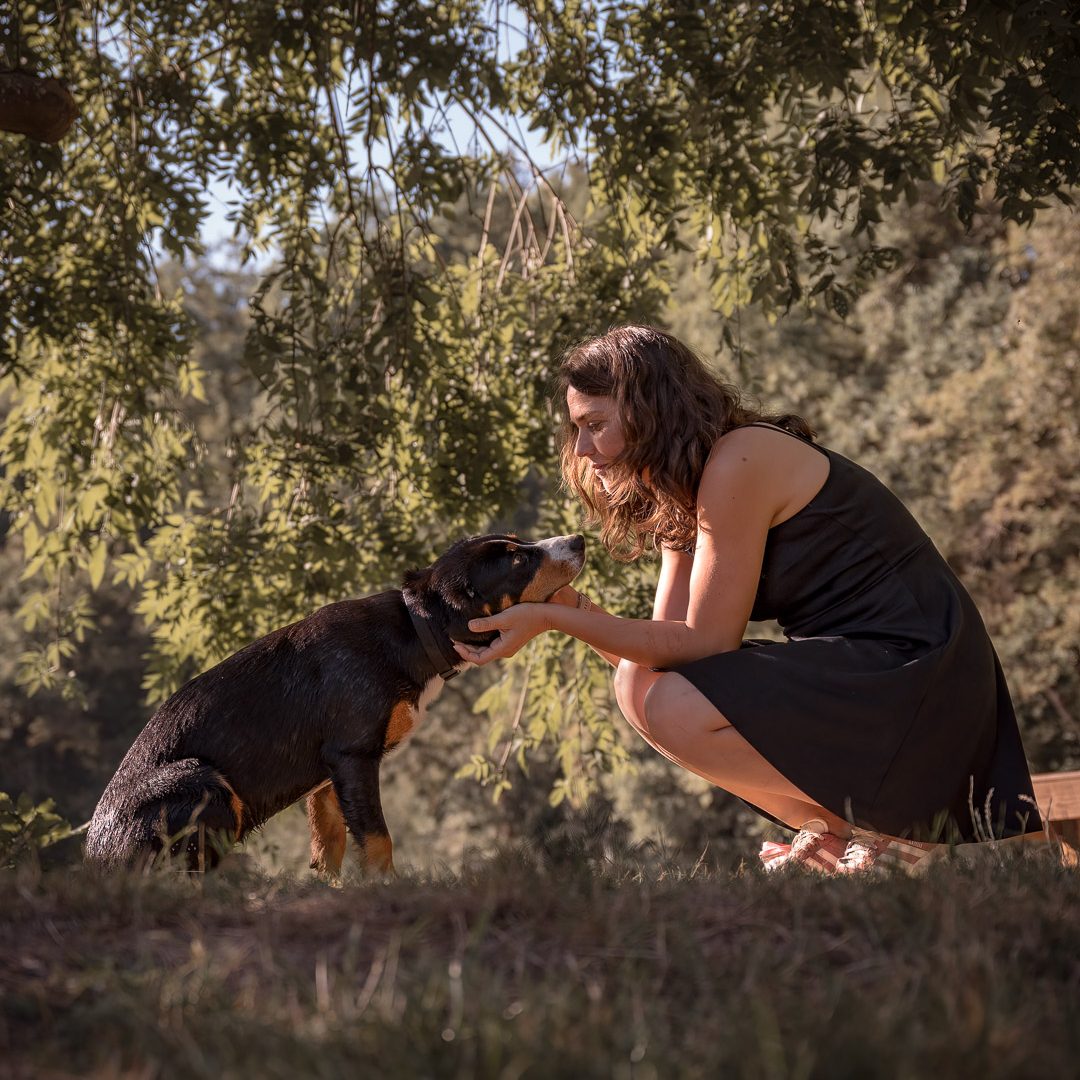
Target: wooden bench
1058, 796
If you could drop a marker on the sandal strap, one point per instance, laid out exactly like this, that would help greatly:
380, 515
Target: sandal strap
813, 846
867, 849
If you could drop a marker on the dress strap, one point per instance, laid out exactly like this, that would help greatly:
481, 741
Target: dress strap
773, 427
776, 427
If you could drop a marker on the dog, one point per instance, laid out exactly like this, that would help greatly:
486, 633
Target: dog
311, 710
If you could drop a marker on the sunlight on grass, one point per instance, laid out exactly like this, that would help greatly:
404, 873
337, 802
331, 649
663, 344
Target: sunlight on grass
534, 963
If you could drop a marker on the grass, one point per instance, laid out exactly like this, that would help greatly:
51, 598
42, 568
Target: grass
533, 964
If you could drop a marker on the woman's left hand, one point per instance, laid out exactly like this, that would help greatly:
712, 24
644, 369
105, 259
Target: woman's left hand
517, 626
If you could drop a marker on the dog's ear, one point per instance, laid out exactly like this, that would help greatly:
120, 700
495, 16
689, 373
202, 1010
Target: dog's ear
457, 591
416, 581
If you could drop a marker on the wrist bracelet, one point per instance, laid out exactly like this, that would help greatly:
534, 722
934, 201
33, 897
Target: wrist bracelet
583, 602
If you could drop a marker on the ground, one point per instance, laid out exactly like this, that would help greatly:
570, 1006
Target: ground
542, 964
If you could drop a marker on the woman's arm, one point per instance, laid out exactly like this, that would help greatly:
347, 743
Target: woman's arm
672, 594
568, 596
673, 586
738, 499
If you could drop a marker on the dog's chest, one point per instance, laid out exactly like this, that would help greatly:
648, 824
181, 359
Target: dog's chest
405, 717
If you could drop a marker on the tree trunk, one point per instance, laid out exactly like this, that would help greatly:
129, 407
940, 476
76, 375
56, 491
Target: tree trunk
40, 108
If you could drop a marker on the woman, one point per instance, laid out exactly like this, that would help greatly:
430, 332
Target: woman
883, 722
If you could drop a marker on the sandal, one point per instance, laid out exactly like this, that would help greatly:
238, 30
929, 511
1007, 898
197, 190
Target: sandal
771, 850
813, 847
868, 852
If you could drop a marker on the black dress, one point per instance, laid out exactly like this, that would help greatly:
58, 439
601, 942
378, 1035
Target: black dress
887, 704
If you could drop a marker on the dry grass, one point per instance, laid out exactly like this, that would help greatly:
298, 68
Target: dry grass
534, 965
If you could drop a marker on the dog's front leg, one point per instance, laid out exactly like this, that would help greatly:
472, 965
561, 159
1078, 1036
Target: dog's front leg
327, 827
356, 784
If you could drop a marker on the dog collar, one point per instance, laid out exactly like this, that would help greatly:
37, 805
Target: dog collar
444, 665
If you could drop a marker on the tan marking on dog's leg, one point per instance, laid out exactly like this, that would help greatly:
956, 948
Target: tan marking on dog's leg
506, 601
378, 852
487, 609
327, 827
237, 806
401, 721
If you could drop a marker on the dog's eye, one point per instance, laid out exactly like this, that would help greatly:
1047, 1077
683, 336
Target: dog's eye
518, 559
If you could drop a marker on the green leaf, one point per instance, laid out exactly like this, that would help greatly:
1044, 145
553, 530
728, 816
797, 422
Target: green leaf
96, 564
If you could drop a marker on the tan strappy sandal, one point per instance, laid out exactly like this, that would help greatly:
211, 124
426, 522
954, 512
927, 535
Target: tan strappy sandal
813, 847
867, 852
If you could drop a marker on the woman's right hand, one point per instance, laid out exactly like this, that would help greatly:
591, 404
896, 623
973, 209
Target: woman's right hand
516, 626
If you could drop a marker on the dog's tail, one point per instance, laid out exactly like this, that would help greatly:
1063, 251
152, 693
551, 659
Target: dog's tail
185, 807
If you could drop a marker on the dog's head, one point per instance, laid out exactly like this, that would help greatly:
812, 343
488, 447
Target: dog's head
485, 574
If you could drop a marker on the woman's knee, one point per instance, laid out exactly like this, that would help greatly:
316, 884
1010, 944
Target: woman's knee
632, 683
675, 713
660, 706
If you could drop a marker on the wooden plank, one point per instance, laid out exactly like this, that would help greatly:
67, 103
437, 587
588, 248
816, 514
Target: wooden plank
1058, 795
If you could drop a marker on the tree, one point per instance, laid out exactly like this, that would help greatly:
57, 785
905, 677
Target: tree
955, 379
401, 388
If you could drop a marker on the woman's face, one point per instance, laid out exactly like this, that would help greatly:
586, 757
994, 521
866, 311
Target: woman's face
599, 430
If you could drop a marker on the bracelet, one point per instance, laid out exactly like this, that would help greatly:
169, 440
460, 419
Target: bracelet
583, 602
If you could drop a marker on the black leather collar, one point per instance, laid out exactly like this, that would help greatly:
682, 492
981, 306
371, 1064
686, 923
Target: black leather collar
445, 662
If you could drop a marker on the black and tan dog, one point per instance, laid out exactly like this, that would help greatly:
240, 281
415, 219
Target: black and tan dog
312, 709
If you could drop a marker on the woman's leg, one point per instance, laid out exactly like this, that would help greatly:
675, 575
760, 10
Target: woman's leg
680, 722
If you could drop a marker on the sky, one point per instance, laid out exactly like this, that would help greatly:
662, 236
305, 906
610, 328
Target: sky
459, 130
217, 229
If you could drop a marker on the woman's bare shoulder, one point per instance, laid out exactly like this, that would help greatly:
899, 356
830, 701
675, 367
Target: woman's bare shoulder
752, 446
788, 470
762, 442
740, 468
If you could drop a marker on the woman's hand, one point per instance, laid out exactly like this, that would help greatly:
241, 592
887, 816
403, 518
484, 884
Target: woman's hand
517, 626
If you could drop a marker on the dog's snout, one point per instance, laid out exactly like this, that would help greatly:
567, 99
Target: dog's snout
565, 549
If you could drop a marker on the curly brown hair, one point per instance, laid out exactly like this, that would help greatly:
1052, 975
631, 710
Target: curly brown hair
673, 409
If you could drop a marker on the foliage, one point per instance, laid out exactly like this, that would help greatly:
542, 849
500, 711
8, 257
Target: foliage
599, 961
407, 295
957, 381
764, 127
26, 827
991, 414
